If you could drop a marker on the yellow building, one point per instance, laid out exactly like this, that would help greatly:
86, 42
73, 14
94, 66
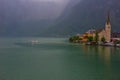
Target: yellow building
89, 33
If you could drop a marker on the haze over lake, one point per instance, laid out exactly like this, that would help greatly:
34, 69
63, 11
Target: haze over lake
56, 59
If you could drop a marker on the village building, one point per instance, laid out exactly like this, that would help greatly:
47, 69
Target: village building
115, 36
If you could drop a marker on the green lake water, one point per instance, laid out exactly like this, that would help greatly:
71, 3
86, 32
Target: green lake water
56, 59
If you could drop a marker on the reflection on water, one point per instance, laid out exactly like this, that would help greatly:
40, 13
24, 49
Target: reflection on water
104, 53
107, 55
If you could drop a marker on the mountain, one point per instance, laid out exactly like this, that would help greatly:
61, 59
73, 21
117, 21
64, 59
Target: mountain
26, 17
85, 15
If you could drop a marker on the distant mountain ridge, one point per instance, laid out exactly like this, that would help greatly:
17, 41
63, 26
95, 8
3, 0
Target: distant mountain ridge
88, 14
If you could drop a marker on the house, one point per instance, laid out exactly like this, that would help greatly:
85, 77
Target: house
115, 36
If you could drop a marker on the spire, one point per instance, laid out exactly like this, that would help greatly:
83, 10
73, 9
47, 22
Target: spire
108, 18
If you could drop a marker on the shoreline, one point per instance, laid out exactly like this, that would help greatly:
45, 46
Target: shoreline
103, 44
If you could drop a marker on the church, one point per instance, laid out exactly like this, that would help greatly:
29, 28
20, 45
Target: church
106, 32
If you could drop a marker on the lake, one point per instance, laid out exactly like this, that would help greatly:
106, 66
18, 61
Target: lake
56, 59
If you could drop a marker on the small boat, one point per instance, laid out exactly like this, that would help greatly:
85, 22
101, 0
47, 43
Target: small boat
34, 42
28, 43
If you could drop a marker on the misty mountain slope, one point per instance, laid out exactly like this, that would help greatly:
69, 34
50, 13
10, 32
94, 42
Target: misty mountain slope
29, 9
26, 18
86, 15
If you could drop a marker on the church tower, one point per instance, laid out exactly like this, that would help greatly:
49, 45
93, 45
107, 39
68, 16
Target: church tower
108, 28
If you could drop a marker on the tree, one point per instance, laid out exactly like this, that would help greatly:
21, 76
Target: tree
90, 39
74, 39
103, 39
96, 37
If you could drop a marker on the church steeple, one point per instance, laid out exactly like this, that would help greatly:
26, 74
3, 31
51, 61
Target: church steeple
108, 28
108, 18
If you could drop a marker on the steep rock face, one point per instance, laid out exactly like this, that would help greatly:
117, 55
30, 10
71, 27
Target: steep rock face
88, 14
